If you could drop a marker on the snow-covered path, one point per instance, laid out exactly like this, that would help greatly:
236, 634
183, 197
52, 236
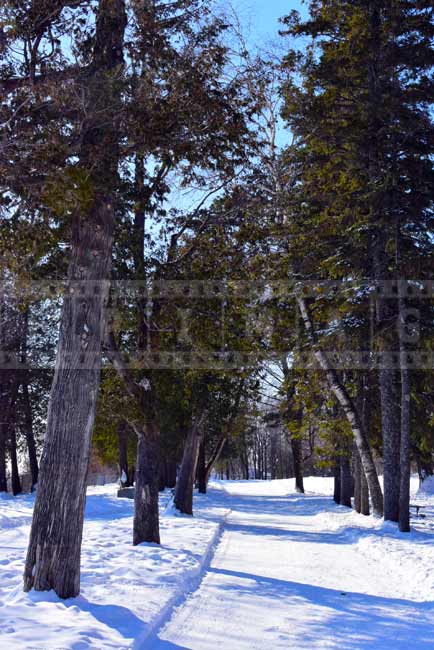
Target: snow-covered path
296, 572
282, 570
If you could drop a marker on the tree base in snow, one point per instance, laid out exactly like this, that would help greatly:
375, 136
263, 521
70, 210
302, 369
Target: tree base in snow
126, 493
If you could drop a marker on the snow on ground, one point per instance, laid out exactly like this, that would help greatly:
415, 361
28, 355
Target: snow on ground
125, 589
259, 566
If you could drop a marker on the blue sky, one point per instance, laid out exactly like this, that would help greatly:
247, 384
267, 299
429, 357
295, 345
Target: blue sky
262, 15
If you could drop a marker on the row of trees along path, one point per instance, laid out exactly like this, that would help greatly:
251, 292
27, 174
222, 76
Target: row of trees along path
108, 112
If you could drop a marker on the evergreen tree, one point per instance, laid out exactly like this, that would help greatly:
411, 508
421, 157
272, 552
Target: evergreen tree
366, 84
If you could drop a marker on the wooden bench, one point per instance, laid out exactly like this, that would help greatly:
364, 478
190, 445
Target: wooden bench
418, 507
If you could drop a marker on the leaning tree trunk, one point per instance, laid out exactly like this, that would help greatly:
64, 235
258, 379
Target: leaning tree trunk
146, 527
215, 456
53, 557
350, 411
184, 487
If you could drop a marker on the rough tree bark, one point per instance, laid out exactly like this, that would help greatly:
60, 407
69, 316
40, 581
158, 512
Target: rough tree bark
390, 428
183, 499
53, 557
350, 411
386, 305
146, 527
404, 489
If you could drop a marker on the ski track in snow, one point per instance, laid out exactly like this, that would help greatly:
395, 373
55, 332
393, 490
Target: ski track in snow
259, 566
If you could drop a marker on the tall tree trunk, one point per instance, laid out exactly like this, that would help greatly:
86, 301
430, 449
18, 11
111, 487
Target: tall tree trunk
131, 475
390, 427
53, 557
404, 491
364, 494
184, 487
171, 470
201, 469
3, 479
9, 415
30, 437
357, 473
146, 527
297, 456
15, 475
162, 481
350, 411
123, 454
386, 312
337, 480
27, 407
345, 482
295, 441
3, 396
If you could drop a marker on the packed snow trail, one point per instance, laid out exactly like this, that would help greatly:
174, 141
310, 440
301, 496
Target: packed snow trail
280, 571
297, 572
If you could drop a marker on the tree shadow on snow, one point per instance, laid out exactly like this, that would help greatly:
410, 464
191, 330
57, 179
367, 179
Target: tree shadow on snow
352, 620
116, 617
